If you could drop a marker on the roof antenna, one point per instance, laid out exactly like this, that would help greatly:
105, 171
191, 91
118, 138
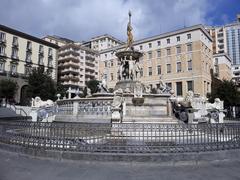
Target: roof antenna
184, 22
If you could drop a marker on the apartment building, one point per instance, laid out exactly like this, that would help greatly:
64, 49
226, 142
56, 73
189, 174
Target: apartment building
20, 52
226, 40
222, 66
183, 59
59, 41
76, 64
102, 42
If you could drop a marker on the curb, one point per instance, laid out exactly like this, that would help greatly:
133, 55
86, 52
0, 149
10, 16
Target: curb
161, 158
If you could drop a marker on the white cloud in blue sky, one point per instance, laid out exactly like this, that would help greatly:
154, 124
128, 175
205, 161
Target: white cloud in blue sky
82, 19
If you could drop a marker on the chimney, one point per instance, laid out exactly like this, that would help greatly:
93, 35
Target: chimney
238, 18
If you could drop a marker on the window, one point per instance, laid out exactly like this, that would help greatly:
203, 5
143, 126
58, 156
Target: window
178, 49
111, 76
15, 41
208, 87
2, 37
141, 72
2, 64
105, 63
40, 49
159, 53
168, 41
149, 55
189, 47
168, 52
178, 38
50, 64
14, 53
29, 45
190, 86
216, 61
105, 55
150, 45
40, 60
28, 70
189, 36
150, 71
189, 63
111, 63
168, 68
179, 67
159, 43
28, 57
179, 88
13, 68
158, 69
2, 50
140, 47
50, 52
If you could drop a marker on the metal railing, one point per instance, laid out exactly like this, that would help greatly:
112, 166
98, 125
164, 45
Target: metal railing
121, 138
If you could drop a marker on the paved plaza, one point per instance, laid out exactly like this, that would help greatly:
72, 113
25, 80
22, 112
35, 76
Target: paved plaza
19, 167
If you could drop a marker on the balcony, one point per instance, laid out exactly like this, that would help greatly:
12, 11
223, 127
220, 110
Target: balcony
70, 64
68, 52
2, 54
15, 57
15, 44
68, 58
70, 70
3, 40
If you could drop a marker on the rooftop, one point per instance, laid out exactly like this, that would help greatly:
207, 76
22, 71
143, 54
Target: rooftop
26, 36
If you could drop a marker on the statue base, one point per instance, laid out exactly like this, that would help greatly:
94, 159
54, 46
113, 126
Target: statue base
127, 85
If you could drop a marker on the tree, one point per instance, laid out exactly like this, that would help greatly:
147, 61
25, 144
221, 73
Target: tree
8, 89
226, 91
41, 84
93, 85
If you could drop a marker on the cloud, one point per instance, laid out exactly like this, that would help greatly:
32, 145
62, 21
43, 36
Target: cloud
82, 19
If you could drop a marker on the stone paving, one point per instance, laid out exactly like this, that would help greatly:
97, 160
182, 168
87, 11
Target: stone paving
20, 167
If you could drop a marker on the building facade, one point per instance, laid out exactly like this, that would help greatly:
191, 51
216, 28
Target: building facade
20, 52
182, 58
59, 41
103, 42
222, 66
77, 64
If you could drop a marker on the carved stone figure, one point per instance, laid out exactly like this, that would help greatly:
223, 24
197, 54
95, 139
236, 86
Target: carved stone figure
147, 89
37, 102
102, 87
129, 33
89, 94
138, 90
117, 105
137, 69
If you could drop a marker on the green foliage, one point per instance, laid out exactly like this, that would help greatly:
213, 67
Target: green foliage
41, 84
93, 85
226, 91
111, 90
8, 88
61, 89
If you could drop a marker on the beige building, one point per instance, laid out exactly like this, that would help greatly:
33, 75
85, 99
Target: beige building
222, 66
59, 41
76, 64
102, 42
20, 52
182, 58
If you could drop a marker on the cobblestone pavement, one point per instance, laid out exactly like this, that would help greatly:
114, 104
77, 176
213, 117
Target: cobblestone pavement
20, 167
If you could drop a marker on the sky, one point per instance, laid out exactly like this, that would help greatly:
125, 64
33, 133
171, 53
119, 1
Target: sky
81, 20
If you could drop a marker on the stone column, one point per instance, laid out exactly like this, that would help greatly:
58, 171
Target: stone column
75, 107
